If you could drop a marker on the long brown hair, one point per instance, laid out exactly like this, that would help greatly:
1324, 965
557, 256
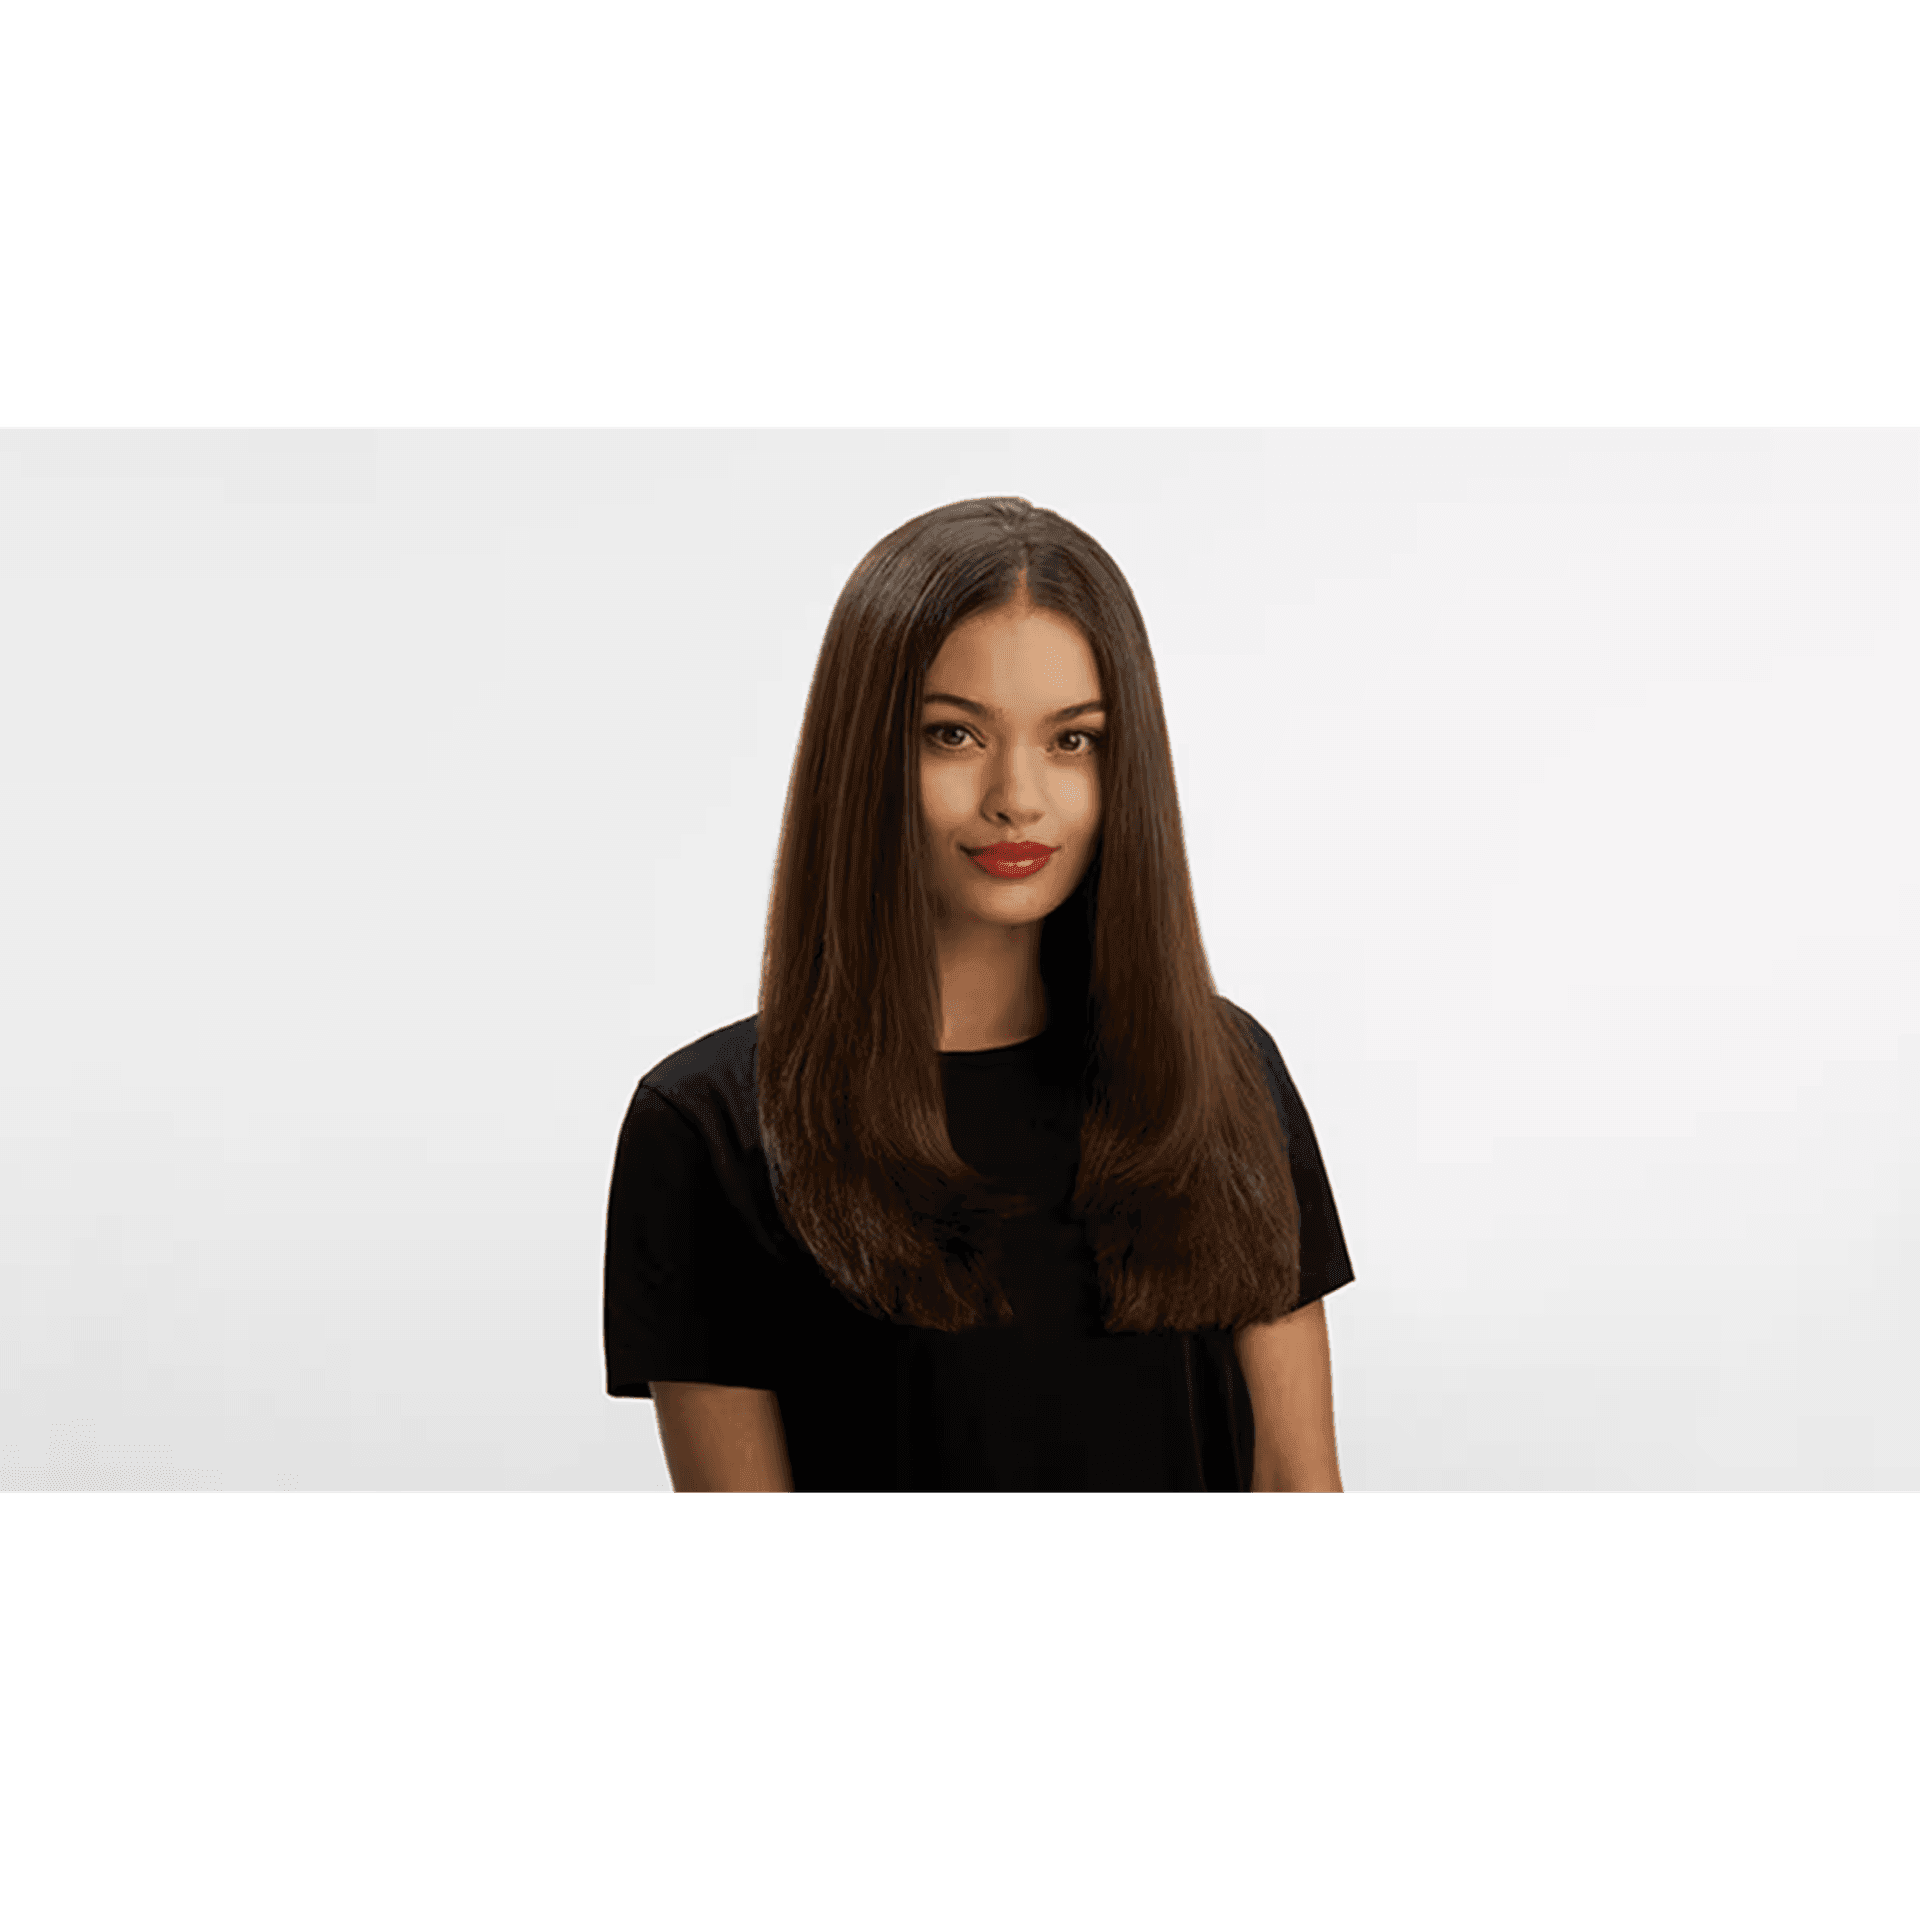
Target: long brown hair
1183, 1183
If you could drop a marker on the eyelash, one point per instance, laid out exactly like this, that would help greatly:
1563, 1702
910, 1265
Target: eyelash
1091, 734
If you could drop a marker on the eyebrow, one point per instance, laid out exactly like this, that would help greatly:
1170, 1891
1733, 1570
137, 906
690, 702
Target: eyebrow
994, 713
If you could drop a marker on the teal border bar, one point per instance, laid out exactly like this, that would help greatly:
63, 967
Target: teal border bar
1001, 212
947, 1707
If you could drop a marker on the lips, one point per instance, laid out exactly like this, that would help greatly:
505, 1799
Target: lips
1008, 862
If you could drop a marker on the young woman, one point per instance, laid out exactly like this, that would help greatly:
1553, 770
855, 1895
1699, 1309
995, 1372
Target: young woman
994, 1191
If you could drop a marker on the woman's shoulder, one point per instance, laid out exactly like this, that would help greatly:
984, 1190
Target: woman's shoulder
707, 1085
714, 1066
1286, 1096
695, 1116
1260, 1037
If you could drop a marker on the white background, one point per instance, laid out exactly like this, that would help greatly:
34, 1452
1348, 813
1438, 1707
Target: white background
378, 806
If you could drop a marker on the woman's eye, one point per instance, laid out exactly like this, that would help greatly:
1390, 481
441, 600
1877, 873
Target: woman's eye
1090, 736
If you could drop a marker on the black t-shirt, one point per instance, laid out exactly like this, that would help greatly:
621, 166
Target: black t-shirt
705, 1282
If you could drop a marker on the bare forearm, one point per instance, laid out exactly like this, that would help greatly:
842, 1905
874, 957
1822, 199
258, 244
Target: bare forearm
1288, 1368
721, 1439
1309, 1470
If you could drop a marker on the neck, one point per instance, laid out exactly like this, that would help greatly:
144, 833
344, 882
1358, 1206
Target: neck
991, 992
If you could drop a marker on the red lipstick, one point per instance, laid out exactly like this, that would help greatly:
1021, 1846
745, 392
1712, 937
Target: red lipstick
1011, 859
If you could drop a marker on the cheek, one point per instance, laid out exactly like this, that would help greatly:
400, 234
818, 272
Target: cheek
1086, 804
944, 789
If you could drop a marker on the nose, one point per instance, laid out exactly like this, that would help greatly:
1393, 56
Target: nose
1012, 794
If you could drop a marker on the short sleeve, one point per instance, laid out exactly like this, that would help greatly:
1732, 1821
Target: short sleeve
678, 1304
1324, 1264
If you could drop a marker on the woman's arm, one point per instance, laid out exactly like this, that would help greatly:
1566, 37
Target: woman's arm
721, 1439
1288, 1369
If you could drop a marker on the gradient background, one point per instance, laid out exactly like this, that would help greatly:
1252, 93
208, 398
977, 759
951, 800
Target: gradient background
378, 806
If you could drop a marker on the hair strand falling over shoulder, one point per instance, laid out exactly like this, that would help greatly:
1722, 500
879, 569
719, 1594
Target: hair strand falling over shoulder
1183, 1183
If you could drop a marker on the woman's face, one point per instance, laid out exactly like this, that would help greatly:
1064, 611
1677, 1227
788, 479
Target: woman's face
1011, 754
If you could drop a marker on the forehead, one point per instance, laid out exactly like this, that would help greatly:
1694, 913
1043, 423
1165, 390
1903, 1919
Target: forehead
1020, 656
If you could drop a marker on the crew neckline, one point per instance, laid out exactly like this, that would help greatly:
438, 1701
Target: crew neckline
987, 1053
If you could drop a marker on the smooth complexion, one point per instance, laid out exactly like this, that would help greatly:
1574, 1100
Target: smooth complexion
1015, 764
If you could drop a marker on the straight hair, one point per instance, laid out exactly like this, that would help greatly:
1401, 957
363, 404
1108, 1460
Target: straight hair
1183, 1184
